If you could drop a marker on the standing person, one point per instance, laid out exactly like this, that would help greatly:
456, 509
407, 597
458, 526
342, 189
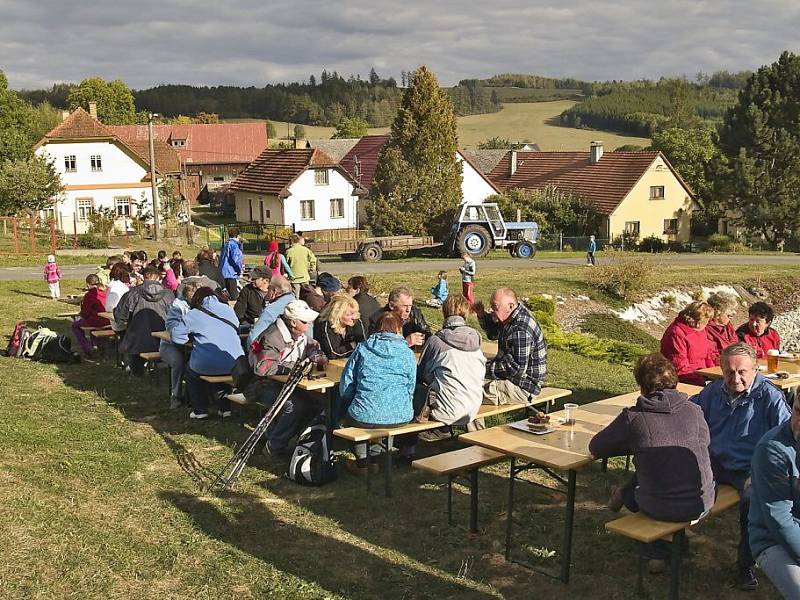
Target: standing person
401, 303
468, 271
231, 262
686, 343
93, 303
739, 409
720, 331
52, 275
276, 262
358, 288
439, 291
590, 250
253, 297
757, 331
775, 508
301, 261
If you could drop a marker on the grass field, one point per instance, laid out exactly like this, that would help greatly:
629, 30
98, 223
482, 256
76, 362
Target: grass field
101, 496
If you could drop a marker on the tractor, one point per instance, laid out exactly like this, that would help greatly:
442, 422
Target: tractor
480, 227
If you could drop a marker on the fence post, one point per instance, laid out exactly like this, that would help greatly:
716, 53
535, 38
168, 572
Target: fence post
53, 237
622, 246
15, 233
32, 233
560, 241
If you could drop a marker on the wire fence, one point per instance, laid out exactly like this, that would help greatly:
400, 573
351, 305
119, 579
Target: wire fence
27, 235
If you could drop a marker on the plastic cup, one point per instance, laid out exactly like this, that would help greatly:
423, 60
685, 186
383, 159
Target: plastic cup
772, 360
569, 413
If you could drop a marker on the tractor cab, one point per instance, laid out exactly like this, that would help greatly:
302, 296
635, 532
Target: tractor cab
479, 227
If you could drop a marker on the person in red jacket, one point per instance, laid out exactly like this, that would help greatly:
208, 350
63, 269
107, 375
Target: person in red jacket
686, 344
94, 301
720, 331
757, 331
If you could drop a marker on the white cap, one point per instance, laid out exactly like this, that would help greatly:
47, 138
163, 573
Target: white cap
300, 311
51, 258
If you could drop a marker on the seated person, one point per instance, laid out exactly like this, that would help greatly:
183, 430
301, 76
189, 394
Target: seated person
140, 312
176, 264
377, 385
516, 374
358, 288
451, 369
416, 330
439, 292
176, 355
119, 282
757, 331
94, 301
686, 344
279, 295
253, 297
191, 274
668, 438
739, 409
339, 329
775, 508
213, 329
318, 295
168, 278
720, 331
103, 272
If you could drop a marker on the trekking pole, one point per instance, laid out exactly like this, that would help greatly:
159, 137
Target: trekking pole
230, 473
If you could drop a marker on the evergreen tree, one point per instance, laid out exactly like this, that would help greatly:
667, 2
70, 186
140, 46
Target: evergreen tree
373, 77
114, 99
761, 139
417, 183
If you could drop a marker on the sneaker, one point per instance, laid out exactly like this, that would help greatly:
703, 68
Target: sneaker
175, 402
435, 435
615, 502
193, 415
224, 413
746, 579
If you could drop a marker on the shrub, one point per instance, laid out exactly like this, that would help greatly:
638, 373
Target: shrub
539, 303
625, 277
87, 240
719, 242
609, 326
651, 244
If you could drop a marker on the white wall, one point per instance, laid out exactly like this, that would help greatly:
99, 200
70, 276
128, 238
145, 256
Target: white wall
474, 188
304, 188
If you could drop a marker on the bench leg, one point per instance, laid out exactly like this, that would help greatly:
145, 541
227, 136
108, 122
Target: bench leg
604, 465
675, 564
387, 475
450, 499
473, 500
568, 519
640, 560
628, 463
510, 508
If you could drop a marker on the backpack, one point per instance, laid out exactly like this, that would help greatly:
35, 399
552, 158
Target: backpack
31, 345
311, 463
15, 341
58, 349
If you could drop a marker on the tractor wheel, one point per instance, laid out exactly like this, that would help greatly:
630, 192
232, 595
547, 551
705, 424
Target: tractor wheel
474, 240
524, 250
371, 253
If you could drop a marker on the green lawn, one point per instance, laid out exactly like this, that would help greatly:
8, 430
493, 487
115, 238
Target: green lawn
101, 497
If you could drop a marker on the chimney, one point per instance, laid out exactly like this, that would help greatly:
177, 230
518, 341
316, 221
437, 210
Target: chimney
64, 115
595, 152
93, 109
301, 144
512, 167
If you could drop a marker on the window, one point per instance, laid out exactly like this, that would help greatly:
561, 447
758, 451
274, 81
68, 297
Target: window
69, 164
321, 177
178, 143
96, 162
218, 178
85, 208
307, 210
48, 214
656, 192
670, 226
123, 206
632, 229
337, 208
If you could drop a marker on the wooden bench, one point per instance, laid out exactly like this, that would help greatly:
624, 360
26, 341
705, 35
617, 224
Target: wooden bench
108, 334
385, 437
242, 402
150, 361
465, 463
643, 529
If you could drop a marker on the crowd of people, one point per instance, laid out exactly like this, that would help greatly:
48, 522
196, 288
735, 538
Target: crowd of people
738, 430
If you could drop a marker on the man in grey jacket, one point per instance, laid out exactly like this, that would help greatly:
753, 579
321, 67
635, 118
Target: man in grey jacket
451, 370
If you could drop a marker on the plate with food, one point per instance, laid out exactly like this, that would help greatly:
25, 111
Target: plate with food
539, 424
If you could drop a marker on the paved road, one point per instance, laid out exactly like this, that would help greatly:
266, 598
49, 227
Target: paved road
348, 268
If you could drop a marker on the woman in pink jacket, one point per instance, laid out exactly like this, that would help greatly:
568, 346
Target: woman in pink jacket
686, 344
720, 331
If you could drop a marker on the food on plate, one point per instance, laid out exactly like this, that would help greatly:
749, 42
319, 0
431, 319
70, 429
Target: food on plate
539, 418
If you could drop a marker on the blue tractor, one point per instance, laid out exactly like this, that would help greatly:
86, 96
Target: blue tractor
480, 227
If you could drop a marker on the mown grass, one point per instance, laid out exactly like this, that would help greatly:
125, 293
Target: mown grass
604, 325
101, 497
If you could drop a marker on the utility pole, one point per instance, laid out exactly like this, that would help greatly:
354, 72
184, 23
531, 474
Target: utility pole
153, 186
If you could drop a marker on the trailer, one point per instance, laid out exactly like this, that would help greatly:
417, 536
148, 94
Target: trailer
368, 248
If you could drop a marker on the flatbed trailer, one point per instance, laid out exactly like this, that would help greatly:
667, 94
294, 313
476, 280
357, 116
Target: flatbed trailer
371, 249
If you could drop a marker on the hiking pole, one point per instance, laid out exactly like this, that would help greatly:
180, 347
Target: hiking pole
230, 473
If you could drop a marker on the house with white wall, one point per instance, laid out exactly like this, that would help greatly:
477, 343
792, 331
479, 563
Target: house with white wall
98, 169
301, 188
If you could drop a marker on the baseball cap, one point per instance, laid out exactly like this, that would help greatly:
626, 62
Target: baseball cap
300, 311
260, 273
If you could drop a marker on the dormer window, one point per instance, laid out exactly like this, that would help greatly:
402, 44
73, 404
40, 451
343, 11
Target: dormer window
178, 143
320, 176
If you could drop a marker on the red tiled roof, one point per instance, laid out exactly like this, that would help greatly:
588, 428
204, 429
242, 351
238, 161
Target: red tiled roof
206, 143
78, 125
605, 183
167, 160
365, 153
274, 170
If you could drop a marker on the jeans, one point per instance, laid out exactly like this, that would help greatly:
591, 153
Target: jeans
782, 570
406, 443
80, 337
232, 285
467, 288
176, 358
739, 480
199, 392
298, 411
590, 258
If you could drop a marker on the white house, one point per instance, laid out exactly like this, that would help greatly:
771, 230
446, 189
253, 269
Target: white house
301, 188
98, 169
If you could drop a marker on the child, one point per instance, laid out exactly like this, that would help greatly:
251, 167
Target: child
590, 250
52, 275
439, 291
177, 264
168, 278
94, 301
468, 271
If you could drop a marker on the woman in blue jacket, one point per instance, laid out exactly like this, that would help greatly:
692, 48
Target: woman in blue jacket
212, 327
378, 384
231, 262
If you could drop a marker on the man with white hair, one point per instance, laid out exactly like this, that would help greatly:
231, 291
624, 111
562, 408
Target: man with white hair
416, 330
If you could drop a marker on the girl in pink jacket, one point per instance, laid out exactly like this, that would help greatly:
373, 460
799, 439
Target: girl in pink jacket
52, 275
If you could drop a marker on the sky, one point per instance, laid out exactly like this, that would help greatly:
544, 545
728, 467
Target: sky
247, 42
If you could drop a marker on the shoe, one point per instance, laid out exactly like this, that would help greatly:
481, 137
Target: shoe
224, 413
435, 435
193, 415
746, 579
424, 415
175, 402
656, 566
275, 453
616, 501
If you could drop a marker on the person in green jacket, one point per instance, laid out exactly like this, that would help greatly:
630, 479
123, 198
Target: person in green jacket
301, 261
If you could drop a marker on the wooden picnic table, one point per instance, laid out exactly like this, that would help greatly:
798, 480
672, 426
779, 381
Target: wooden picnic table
74, 301
791, 366
106, 315
565, 449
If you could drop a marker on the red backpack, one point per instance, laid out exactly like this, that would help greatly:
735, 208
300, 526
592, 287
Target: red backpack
15, 343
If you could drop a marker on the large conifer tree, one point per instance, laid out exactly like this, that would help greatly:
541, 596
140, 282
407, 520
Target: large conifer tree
417, 183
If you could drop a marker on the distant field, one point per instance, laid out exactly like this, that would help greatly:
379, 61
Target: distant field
512, 94
517, 122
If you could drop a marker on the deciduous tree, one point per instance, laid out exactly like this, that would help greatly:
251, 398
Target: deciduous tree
350, 127
28, 184
114, 99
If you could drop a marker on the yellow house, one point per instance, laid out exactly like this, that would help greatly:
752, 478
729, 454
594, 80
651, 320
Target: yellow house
638, 193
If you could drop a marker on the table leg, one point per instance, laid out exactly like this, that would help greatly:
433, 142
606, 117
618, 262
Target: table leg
473, 500
450, 499
510, 507
675, 565
331, 417
568, 519
387, 475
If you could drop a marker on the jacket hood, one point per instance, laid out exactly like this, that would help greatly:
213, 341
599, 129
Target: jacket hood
385, 344
456, 333
153, 291
663, 401
211, 303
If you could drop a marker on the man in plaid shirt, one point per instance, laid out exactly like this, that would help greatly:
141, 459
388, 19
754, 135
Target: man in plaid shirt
516, 374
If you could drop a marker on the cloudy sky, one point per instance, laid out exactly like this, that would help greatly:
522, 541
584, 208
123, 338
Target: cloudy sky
244, 42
